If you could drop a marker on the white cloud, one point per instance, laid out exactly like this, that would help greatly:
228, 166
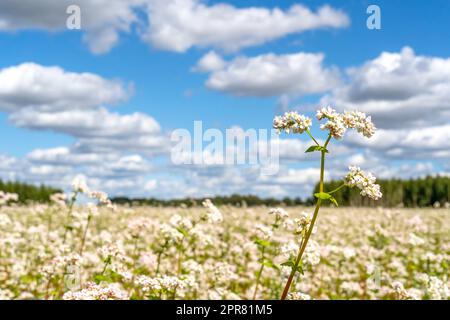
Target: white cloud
174, 25
178, 25
400, 90
210, 62
99, 123
50, 98
31, 85
271, 75
101, 20
64, 156
114, 172
417, 143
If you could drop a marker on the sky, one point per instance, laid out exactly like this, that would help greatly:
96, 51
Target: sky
100, 103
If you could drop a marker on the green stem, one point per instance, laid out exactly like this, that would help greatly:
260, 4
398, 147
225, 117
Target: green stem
328, 141
69, 215
301, 251
309, 132
83, 240
337, 189
311, 226
259, 273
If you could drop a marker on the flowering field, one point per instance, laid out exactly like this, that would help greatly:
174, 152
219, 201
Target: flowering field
65, 251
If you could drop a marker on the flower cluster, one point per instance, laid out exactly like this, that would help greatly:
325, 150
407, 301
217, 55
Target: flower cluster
363, 181
292, 121
279, 213
302, 223
6, 197
98, 292
79, 186
213, 214
338, 123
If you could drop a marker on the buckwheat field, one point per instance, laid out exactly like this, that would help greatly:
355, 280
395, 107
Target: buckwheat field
67, 251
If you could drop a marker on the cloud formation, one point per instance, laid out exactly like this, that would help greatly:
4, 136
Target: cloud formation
270, 74
400, 90
50, 88
101, 20
167, 24
229, 28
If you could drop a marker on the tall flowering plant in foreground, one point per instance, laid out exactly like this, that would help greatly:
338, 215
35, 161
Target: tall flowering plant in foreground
336, 125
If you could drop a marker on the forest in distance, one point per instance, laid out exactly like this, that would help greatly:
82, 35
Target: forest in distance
419, 192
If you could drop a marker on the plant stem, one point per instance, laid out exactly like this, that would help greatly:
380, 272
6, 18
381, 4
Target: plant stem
311, 226
83, 240
337, 189
69, 215
259, 273
309, 132
301, 251
328, 141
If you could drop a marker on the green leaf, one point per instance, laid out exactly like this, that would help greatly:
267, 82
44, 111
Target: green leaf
291, 264
322, 195
316, 148
288, 264
101, 278
300, 269
270, 264
332, 199
183, 232
262, 243
326, 196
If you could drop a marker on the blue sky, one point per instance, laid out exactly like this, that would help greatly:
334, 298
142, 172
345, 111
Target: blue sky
161, 83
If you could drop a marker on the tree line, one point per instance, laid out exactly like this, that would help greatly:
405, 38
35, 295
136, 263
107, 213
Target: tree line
234, 200
419, 192
28, 192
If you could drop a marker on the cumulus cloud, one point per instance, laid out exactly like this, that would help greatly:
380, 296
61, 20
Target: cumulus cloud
174, 25
114, 172
50, 98
210, 62
30, 85
102, 20
272, 75
400, 90
64, 156
178, 25
417, 143
88, 123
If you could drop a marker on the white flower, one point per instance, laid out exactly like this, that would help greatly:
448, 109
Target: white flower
178, 222
213, 214
363, 181
298, 296
292, 121
335, 126
403, 294
98, 292
137, 225
263, 232
102, 197
59, 199
359, 121
279, 213
328, 113
415, 240
302, 223
79, 185
338, 123
6, 197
